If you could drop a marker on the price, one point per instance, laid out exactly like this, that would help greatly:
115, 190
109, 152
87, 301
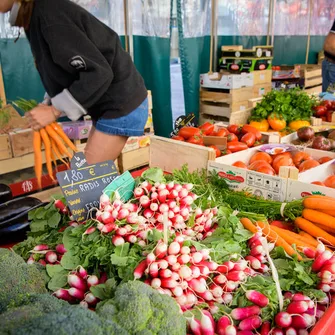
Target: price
74, 176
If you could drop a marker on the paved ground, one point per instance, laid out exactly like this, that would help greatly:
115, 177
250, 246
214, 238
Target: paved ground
177, 92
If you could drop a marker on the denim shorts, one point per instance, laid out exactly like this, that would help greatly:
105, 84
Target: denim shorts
130, 125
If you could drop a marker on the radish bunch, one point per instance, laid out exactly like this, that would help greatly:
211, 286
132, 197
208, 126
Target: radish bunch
46, 255
79, 283
189, 275
257, 257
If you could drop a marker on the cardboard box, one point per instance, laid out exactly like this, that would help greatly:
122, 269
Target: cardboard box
77, 130
227, 81
266, 186
134, 143
261, 89
262, 77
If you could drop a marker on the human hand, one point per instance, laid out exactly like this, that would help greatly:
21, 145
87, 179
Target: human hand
41, 116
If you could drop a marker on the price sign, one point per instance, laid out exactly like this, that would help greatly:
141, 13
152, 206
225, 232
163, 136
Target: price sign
83, 187
78, 161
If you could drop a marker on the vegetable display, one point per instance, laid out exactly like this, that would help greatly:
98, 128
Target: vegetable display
54, 140
185, 255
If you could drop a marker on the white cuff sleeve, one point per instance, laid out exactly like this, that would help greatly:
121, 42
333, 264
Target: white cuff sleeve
46, 100
67, 104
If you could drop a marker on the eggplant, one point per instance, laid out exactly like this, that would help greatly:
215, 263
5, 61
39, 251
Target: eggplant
21, 216
15, 207
5, 193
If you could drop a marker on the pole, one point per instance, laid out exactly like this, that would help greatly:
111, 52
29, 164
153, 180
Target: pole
215, 47
125, 13
311, 5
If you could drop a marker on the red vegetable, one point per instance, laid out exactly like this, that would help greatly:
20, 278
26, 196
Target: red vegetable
234, 129
178, 138
187, 132
250, 129
242, 313
207, 128
236, 146
222, 132
232, 138
257, 298
196, 140
249, 139
320, 111
216, 149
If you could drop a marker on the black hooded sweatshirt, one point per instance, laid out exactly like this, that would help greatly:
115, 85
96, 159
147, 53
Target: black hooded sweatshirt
81, 62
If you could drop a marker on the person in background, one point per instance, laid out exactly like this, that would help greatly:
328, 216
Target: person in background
328, 64
84, 70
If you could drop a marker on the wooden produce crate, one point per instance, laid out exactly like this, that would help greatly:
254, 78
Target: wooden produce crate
312, 75
254, 101
169, 154
134, 159
5, 148
224, 102
21, 142
316, 122
262, 77
261, 89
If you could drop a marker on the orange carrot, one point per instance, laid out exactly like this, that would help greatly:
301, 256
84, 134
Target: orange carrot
47, 148
315, 231
57, 153
307, 236
247, 224
59, 130
329, 211
272, 236
324, 203
38, 157
58, 141
325, 228
293, 238
319, 217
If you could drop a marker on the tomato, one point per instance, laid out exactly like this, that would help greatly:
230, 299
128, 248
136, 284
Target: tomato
262, 167
309, 164
300, 157
324, 159
236, 146
330, 181
328, 104
207, 128
222, 132
320, 183
178, 138
216, 149
261, 156
333, 105
276, 122
281, 160
196, 140
249, 139
234, 129
295, 125
213, 133
260, 125
320, 111
188, 132
283, 225
232, 138
329, 115
226, 152
249, 129
240, 164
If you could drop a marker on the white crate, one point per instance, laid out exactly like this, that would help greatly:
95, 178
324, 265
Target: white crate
230, 81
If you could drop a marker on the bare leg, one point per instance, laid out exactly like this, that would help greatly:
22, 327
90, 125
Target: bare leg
102, 147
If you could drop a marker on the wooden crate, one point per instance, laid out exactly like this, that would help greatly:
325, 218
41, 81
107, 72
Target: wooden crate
240, 117
312, 75
2, 89
262, 77
254, 101
225, 95
261, 89
317, 122
212, 118
169, 154
314, 90
133, 159
222, 109
21, 142
5, 148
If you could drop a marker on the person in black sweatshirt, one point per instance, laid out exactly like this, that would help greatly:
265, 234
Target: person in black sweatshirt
84, 70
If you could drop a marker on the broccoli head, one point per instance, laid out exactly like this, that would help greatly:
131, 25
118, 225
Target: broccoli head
17, 279
141, 310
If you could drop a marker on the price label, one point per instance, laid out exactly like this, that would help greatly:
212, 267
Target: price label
78, 161
83, 187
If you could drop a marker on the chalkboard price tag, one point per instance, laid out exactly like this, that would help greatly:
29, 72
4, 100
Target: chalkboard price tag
83, 187
184, 121
78, 161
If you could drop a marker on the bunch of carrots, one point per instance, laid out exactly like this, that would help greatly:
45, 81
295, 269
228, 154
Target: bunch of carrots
316, 224
55, 143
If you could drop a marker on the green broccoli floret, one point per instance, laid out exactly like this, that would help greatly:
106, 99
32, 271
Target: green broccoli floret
17, 279
142, 310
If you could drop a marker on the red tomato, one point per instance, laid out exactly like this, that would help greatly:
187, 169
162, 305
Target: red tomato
207, 128
320, 111
178, 138
196, 140
216, 149
226, 152
234, 129
249, 139
240, 164
232, 138
213, 133
188, 132
236, 146
222, 132
250, 129
328, 104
